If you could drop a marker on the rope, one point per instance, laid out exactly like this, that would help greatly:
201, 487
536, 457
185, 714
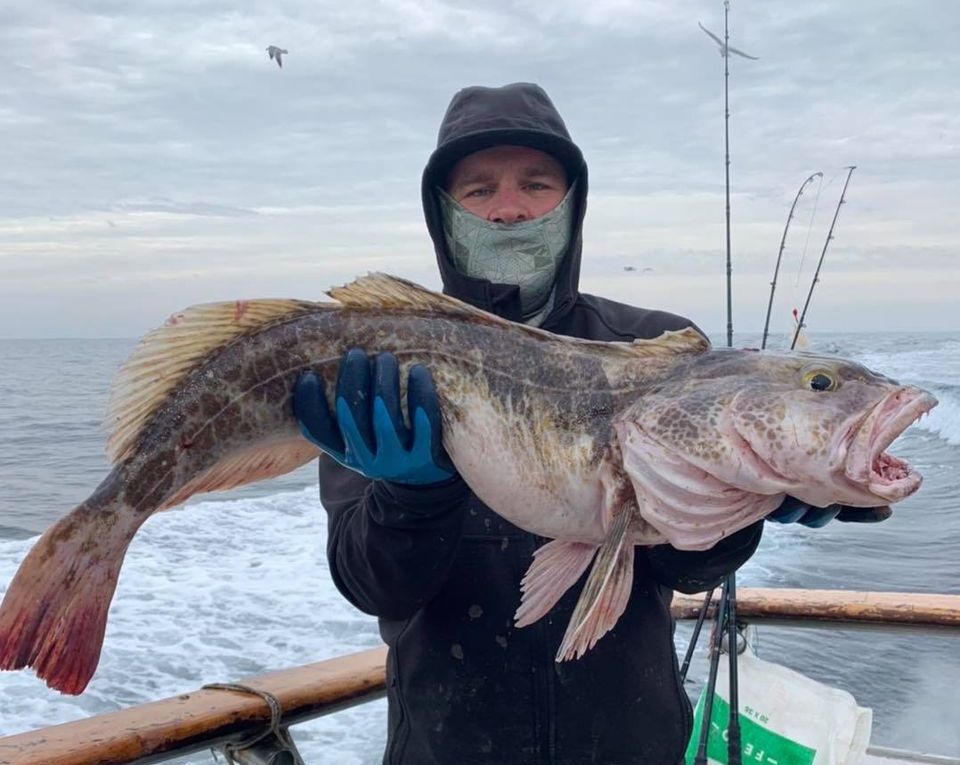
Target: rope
276, 715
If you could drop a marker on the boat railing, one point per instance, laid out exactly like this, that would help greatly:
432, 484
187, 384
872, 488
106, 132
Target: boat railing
211, 718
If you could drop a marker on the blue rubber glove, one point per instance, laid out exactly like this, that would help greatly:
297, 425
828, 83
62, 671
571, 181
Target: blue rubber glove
792, 510
369, 434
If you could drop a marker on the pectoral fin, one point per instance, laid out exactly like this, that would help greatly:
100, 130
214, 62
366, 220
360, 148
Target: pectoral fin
555, 569
606, 592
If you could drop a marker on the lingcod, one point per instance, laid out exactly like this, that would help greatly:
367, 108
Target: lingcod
598, 446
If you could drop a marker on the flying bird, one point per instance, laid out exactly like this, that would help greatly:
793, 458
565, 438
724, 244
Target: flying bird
724, 48
276, 53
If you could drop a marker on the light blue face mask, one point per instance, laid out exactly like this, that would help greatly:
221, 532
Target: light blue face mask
526, 254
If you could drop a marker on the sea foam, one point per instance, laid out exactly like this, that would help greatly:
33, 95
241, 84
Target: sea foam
214, 592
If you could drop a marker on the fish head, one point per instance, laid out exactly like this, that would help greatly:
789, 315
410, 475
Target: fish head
812, 426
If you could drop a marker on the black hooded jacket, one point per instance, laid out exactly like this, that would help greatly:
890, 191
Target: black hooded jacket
442, 571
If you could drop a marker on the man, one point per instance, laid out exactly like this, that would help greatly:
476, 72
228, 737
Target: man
504, 196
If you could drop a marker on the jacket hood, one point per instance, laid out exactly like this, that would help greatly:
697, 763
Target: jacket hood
479, 117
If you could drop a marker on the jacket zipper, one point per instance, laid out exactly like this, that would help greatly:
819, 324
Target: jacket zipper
675, 670
547, 732
402, 731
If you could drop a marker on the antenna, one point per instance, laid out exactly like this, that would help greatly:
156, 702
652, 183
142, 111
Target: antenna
726, 144
725, 50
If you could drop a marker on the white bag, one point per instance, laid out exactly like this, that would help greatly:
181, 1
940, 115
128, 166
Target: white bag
785, 718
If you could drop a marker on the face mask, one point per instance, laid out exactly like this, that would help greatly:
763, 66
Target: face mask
526, 254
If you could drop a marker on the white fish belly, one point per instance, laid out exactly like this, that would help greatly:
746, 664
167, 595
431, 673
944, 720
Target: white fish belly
537, 479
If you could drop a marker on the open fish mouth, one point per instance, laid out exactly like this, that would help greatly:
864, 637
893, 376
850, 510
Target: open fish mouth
883, 474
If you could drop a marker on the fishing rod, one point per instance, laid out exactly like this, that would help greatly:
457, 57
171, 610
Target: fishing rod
725, 625
776, 268
733, 720
716, 639
816, 274
688, 657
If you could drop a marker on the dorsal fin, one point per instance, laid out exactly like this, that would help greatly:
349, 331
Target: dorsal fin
383, 291
671, 342
166, 354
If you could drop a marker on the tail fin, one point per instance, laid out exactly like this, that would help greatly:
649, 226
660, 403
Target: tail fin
54, 614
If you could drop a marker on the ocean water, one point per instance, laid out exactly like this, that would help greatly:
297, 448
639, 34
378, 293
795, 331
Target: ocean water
236, 584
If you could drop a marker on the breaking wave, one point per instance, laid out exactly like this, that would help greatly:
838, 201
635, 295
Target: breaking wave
944, 420
934, 366
214, 592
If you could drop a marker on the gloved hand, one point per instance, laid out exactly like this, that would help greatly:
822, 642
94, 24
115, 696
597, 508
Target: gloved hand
369, 434
792, 510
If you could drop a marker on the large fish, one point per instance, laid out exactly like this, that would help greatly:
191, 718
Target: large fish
598, 446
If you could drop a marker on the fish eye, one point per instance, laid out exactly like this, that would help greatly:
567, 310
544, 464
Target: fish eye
820, 380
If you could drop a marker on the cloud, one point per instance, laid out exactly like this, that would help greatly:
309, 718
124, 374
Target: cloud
153, 154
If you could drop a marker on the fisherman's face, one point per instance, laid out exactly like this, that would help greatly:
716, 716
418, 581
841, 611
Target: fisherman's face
508, 184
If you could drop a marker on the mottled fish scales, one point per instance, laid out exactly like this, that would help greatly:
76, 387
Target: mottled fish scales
598, 446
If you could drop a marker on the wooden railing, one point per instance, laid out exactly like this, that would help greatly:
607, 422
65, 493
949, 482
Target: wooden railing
202, 719
881, 609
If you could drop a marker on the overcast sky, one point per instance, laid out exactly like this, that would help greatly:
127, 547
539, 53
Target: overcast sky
153, 157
